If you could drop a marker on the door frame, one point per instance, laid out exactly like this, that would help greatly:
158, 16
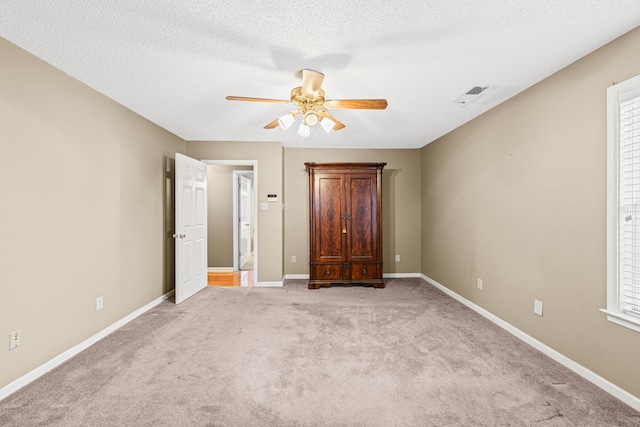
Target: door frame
236, 213
254, 164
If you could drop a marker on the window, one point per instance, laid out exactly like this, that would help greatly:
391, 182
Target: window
623, 204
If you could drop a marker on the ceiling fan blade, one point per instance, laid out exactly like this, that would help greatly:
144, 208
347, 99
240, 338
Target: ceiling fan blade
273, 124
358, 104
311, 83
338, 124
244, 98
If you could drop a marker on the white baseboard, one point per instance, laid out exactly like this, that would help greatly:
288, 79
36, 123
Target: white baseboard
589, 375
219, 268
400, 275
268, 284
14, 386
296, 276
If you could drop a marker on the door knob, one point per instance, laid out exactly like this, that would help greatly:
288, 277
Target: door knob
182, 236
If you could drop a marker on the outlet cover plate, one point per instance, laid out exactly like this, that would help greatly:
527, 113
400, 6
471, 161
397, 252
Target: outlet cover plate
537, 307
15, 339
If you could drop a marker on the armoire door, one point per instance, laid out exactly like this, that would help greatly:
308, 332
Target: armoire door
362, 238
329, 230
361, 201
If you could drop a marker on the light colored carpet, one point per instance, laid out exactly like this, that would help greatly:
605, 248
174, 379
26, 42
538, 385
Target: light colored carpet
406, 355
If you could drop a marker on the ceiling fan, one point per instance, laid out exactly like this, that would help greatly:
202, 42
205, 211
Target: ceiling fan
312, 105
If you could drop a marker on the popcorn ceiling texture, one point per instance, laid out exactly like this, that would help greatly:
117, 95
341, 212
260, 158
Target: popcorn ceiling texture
173, 62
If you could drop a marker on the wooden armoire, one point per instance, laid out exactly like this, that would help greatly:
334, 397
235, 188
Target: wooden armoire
345, 216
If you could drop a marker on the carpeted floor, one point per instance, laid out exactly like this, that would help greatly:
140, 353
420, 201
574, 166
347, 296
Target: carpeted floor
406, 355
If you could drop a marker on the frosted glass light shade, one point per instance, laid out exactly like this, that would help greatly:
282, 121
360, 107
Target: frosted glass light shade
304, 130
286, 121
327, 124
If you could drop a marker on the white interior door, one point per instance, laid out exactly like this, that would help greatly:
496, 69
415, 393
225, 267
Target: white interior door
191, 227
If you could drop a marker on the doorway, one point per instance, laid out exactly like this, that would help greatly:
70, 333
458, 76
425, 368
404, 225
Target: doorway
232, 222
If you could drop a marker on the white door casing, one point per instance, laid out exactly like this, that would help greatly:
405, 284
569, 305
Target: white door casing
191, 227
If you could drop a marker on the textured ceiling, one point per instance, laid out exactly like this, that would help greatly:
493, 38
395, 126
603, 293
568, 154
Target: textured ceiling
174, 62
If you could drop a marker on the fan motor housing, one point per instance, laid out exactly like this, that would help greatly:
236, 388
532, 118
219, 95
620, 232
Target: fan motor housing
306, 103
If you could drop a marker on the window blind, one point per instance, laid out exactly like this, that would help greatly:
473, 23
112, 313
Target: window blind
629, 210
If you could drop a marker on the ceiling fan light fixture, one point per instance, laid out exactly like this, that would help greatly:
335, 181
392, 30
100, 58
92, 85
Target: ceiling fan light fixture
327, 124
286, 121
304, 130
311, 118
312, 105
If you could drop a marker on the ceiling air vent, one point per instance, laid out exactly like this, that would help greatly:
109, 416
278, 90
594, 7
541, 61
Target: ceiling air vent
471, 95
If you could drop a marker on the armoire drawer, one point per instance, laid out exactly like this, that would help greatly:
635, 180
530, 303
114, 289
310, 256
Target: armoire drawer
364, 271
328, 272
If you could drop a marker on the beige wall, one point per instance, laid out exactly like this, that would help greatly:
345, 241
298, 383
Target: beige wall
269, 180
400, 205
517, 197
220, 214
83, 211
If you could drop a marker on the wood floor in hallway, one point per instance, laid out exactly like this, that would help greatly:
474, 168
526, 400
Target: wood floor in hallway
230, 278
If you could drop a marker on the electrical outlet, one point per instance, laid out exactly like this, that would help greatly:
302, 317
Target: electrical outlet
479, 283
537, 307
293, 258
397, 258
15, 339
99, 303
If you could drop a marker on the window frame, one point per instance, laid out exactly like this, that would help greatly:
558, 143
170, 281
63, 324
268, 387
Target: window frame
616, 94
